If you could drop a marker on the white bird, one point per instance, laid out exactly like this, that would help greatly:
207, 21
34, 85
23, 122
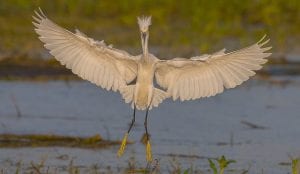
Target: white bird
133, 76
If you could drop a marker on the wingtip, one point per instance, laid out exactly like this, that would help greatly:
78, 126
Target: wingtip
264, 43
264, 36
263, 40
35, 24
35, 19
42, 13
39, 15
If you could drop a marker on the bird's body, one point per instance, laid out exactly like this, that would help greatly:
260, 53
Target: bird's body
143, 92
133, 76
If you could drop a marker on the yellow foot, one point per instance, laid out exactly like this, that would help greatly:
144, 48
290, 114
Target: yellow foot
148, 152
123, 145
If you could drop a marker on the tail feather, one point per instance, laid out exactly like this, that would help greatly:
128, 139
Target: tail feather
158, 97
128, 92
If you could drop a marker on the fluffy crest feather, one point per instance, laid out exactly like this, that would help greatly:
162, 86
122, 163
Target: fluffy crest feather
144, 22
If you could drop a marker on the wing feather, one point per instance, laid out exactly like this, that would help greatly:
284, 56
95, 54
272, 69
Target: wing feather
90, 59
207, 76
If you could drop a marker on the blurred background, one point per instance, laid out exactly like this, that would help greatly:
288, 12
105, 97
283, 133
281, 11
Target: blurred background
39, 96
178, 28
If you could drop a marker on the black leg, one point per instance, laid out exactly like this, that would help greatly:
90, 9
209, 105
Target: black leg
133, 120
124, 141
145, 124
148, 145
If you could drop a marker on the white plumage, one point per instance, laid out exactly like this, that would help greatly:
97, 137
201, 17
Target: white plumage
91, 60
183, 78
109, 68
207, 76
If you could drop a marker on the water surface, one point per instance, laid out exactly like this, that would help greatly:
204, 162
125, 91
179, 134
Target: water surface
192, 131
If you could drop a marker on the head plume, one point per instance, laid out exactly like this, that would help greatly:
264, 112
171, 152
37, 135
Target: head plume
144, 23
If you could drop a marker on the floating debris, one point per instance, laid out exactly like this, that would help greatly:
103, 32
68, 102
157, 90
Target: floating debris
252, 125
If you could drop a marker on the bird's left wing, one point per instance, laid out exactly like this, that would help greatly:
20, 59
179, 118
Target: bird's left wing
207, 75
90, 59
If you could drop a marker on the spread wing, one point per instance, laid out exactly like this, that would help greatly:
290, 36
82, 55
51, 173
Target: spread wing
207, 75
90, 59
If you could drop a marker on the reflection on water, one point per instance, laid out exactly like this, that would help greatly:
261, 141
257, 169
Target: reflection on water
256, 124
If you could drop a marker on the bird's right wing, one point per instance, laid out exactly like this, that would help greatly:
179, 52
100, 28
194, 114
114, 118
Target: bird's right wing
90, 59
208, 75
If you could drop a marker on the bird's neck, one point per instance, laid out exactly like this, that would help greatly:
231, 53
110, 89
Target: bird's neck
145, 45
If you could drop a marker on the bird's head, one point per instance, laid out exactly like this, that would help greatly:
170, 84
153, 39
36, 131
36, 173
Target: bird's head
144, 23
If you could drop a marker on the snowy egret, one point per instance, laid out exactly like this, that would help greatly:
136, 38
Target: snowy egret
133, 76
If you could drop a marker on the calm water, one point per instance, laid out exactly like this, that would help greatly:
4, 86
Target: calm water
193, 130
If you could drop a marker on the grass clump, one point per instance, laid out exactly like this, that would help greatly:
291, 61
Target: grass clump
222, 163
15, 141
295, 166
218, 166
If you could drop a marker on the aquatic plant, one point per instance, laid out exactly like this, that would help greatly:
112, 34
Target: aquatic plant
295, 166
222, 163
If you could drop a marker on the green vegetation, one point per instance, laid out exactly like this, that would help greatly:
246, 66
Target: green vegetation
132, 168
223, 164
295, 166
14, 141
178, 27
23, 68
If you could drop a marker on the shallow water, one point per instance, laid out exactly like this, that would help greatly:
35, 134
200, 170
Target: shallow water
192, 131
